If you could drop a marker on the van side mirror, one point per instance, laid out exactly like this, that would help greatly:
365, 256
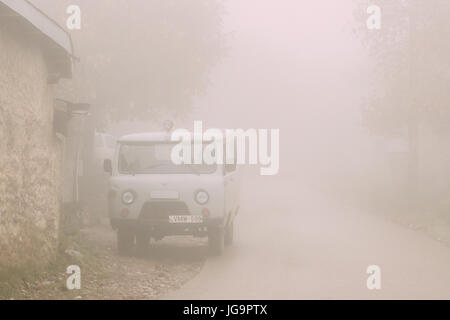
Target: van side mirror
107, 166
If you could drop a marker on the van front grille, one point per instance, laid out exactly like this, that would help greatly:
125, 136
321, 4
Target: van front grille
161, 210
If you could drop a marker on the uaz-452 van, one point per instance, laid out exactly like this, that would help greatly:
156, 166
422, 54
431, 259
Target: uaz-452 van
151, 197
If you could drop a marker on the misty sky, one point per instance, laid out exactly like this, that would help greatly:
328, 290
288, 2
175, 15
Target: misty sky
297, 66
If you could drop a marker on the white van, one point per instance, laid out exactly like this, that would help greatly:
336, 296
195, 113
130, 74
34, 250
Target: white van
151, 197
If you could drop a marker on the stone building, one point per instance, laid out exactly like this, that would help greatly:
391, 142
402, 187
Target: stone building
35, 53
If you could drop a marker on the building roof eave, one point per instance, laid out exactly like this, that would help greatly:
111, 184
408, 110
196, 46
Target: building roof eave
63, 47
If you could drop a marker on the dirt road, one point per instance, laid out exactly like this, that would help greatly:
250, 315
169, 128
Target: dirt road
292, 244
106, 275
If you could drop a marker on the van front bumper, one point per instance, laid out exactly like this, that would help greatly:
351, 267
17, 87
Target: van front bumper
165, 228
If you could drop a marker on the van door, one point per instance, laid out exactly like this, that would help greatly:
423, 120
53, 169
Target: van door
231, 183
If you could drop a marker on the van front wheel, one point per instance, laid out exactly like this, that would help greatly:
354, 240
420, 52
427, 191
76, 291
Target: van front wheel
216, 241
229, 234
125, 241
142, 242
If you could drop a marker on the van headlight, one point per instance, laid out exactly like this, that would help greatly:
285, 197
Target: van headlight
128, 197
202, 197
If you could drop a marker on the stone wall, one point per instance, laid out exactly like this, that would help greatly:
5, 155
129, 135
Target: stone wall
29, 155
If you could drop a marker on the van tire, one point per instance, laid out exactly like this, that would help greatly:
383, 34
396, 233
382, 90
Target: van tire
229, 234
125, 241
142, 242
216, 241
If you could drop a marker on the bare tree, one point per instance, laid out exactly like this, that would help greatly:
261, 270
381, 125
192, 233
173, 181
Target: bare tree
141, 57
411, 52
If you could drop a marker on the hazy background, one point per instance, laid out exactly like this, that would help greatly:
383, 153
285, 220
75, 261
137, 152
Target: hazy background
361, 112
295, 66
357, 109
364, 123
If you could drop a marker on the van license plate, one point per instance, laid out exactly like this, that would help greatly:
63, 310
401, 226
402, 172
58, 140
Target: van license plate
185, 219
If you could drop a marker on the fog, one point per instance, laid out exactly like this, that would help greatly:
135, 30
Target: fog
297, 67
362, 188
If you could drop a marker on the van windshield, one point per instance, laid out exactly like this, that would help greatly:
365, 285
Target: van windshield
155, 158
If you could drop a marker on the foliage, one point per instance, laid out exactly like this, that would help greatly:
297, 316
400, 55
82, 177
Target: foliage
141, 57
412, 74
